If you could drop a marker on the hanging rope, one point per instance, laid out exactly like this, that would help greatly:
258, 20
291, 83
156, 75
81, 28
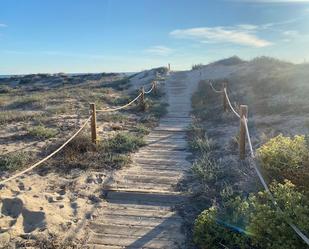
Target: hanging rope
262, 180
121, 107
215, 90
229, 102
128, 104
47, 157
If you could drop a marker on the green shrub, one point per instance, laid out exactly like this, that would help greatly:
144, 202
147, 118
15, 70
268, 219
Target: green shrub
157, 109
269, 226
16, 116
42, 132
266, 225
210, 232
281, 152
114, 160
112, 153
32, 101
286, 158
141, 129
200, 143
206, 169
198, 140
14, 161
123, 143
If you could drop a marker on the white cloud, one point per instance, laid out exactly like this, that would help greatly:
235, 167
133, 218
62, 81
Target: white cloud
247, 26
159, 50
291, 33
2, 25
243, 34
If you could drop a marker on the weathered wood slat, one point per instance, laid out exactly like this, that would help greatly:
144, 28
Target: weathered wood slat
141, 199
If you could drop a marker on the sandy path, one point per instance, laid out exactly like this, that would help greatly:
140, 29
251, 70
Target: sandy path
140, 208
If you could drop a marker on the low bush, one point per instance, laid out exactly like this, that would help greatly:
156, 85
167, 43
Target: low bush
256, 216
141, 129
14, 161
42, 132
286, 158
16, 116
281, 152
213, 233
206, 169
198, 140
50, 241
157, 109
33, 101
122, 143
112, 153
269, 225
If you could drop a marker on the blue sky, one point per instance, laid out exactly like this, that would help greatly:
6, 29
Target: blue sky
131, 35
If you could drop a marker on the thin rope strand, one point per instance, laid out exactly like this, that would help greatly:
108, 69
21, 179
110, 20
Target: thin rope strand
46, 158
262, 180
214, 89
229, 102
121, 107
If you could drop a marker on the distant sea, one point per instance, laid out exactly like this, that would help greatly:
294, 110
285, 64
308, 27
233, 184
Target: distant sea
71, 74
5, 76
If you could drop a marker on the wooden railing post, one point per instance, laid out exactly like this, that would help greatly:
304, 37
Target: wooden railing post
155, 90
224, 86
142, 98
93, 123
242, 131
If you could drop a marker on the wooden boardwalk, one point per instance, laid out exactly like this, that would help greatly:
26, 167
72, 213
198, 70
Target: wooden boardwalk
140, 210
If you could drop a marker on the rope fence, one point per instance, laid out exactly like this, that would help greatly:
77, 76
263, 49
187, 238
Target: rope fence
229, 102
243, 134
214, 89
47, 157
92, 119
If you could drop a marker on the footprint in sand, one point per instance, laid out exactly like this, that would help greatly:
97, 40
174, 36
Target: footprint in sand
14, 207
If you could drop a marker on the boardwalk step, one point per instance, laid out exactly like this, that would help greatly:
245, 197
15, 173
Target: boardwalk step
170, 230
145, 198
133, 242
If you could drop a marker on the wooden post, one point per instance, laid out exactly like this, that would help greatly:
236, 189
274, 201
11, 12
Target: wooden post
155, 90
142, 98
224, 86
93, 123
242, 131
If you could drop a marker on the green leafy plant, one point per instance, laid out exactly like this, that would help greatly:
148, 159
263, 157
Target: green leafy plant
207, 169
286, 158
212, 232
198, 140
269, 225
40, 131
255, 222
123, 143
14, 161
283, 152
